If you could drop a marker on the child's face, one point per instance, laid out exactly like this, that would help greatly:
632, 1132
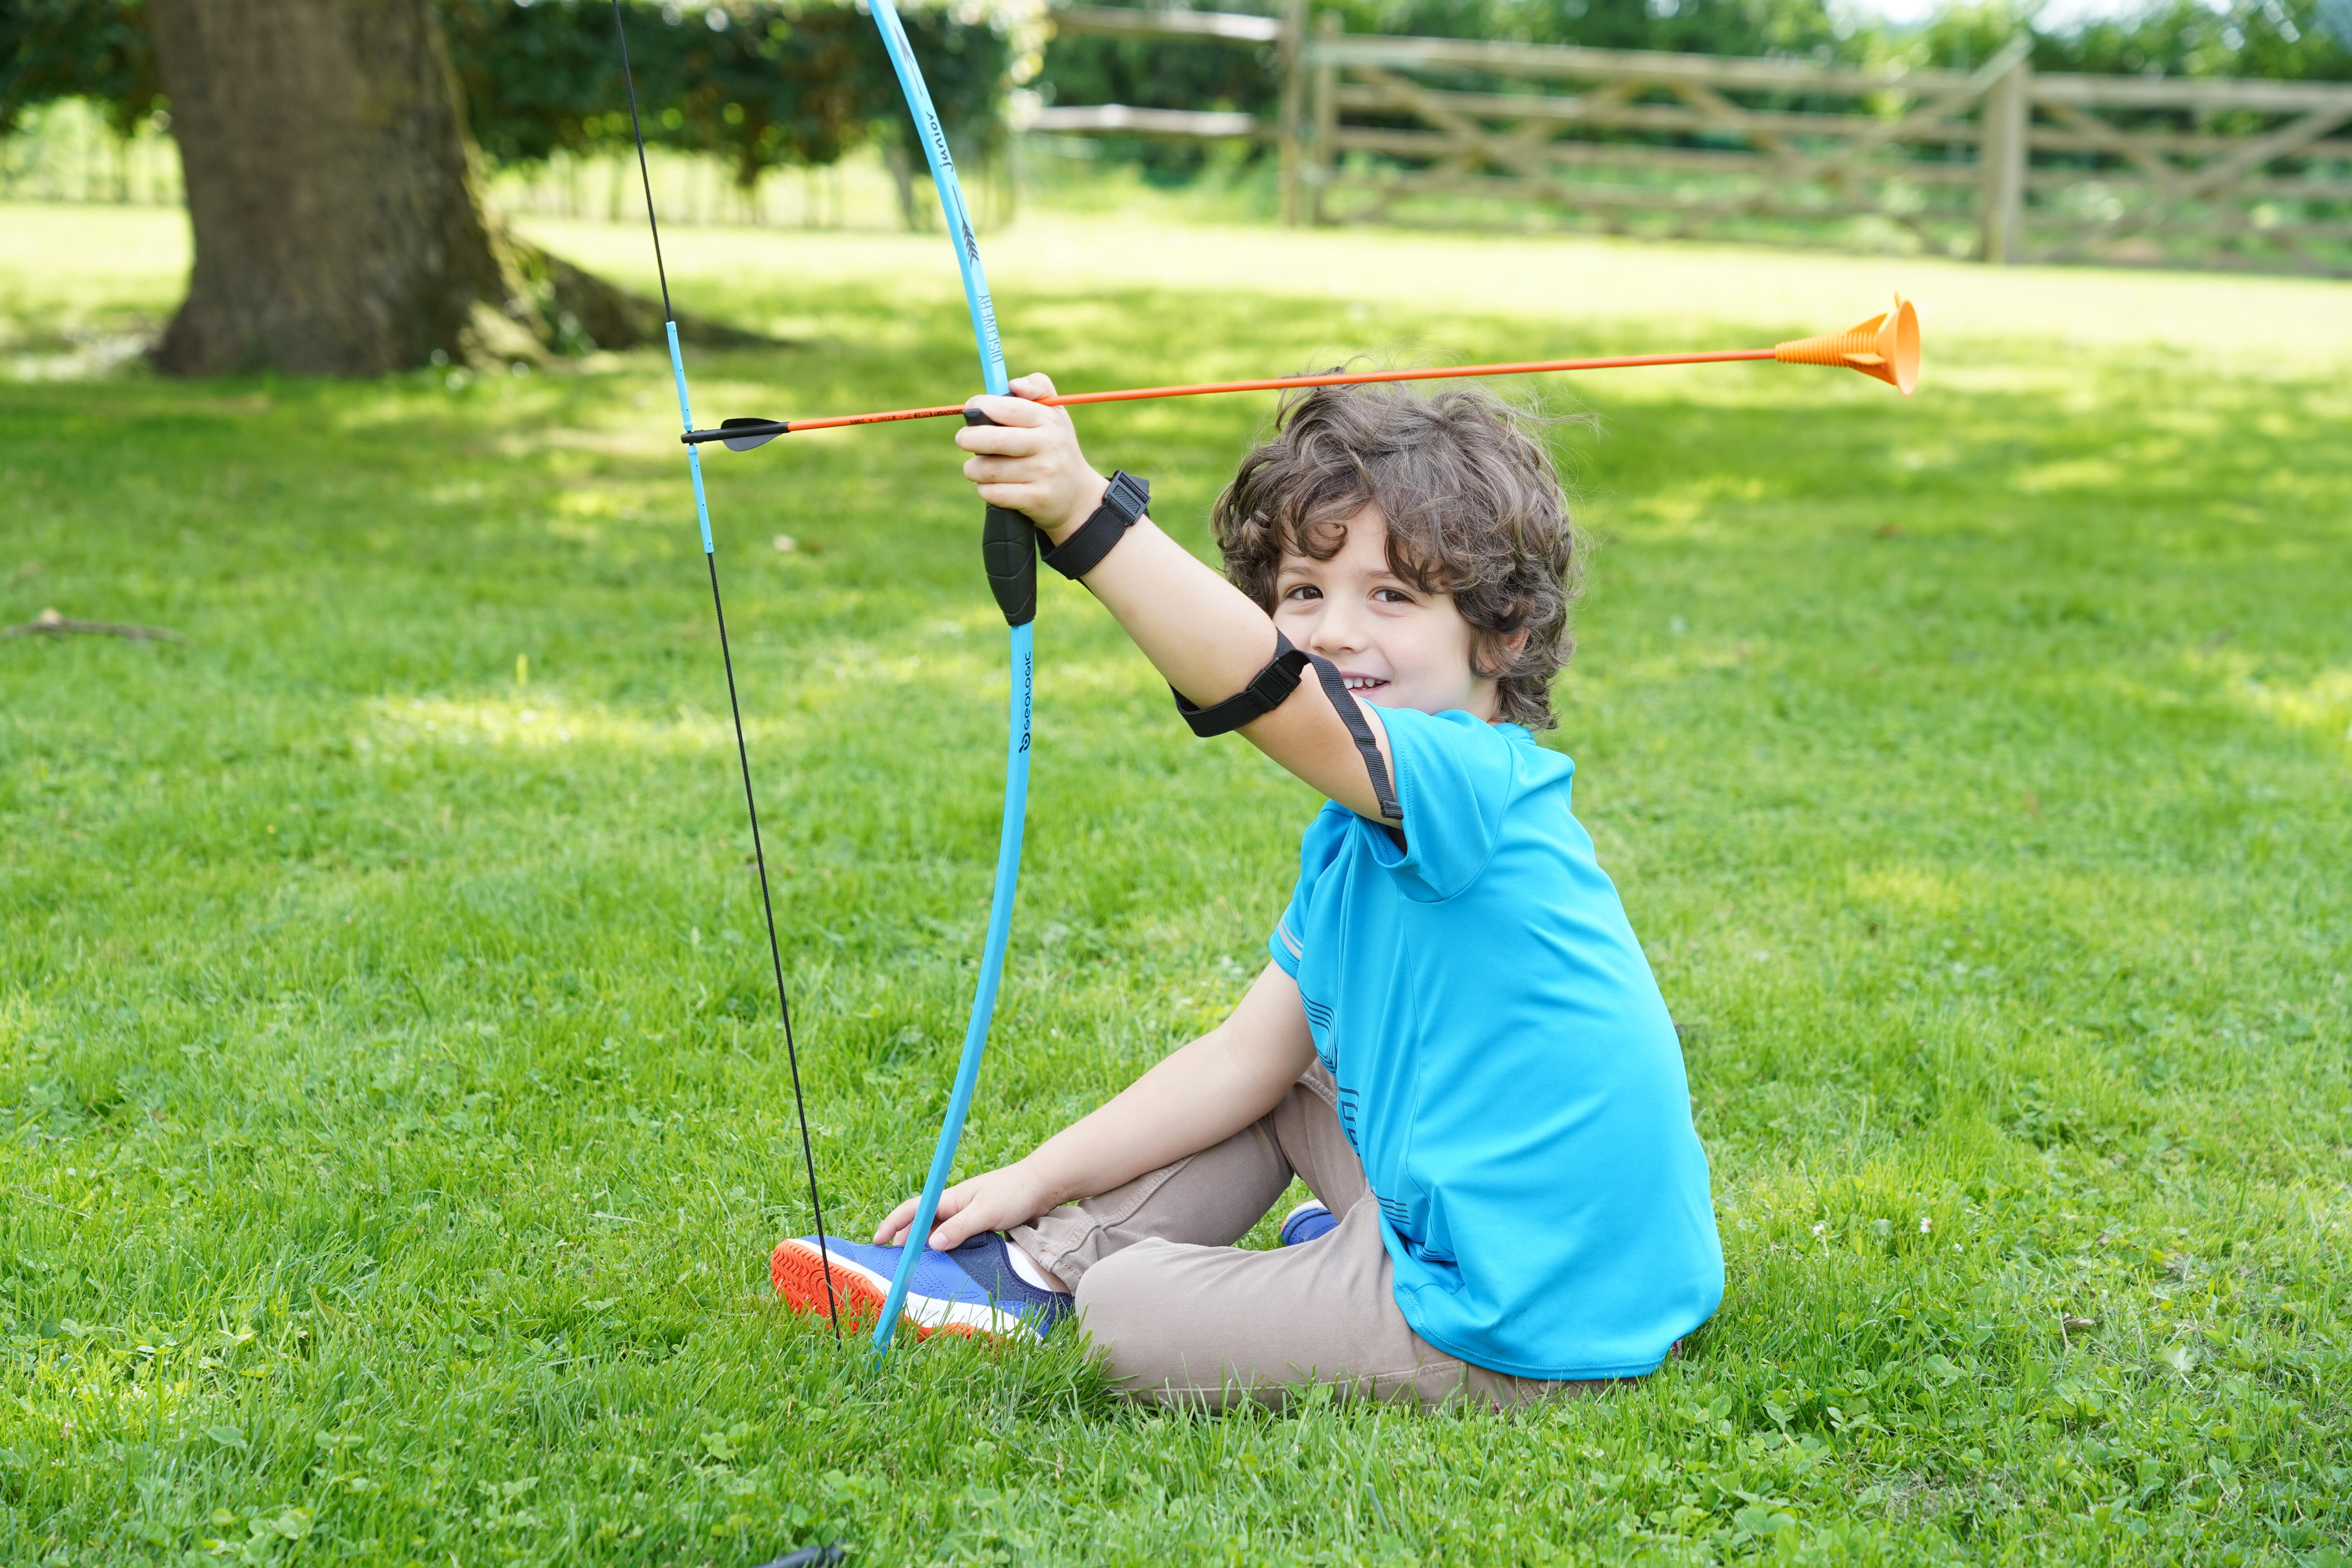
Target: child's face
1398, 645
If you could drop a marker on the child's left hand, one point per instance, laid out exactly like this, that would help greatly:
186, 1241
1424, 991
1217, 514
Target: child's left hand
1029, 461
997, 1200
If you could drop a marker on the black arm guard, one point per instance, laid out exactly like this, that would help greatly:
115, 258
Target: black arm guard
1266, 691
1271, 687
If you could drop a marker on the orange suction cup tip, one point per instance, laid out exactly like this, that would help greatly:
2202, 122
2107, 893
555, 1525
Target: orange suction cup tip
1886, 346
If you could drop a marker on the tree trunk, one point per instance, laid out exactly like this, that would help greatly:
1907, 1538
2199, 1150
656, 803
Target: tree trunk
336, 198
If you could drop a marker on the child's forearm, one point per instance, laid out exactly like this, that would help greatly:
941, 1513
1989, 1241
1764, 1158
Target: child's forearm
1199, 1097
1194, 1099
1202, 633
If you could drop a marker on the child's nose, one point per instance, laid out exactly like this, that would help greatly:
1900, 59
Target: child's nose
1334, 634
1338, 629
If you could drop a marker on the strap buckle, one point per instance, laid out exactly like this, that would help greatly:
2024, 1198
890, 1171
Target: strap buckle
1271, 687
1092, 540
1266, 691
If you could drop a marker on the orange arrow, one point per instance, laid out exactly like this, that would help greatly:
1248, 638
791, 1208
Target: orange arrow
1887, 347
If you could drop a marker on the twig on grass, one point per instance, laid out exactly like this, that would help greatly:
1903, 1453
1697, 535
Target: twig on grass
50, 623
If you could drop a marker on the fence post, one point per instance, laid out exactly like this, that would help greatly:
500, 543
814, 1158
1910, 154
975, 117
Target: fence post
1290, 51
1327, 119
2001, 150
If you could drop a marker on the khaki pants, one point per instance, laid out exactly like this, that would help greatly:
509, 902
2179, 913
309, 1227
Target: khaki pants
1187, 1318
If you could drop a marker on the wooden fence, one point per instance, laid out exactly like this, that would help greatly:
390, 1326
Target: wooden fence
2001, 162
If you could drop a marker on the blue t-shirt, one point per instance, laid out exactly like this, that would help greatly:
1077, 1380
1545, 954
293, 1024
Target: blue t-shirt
1506, 1069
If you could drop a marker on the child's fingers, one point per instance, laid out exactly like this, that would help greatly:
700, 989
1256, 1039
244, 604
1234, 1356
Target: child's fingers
1000, 469
984, 469
951, 1234
1012, 413
1021, 413
1016, 482
893, 1229
893, 1225
1004, 440
988, 1207
902, 1219
1026, 499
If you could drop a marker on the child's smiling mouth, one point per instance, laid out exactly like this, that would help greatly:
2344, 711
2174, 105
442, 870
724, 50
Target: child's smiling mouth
1362, 683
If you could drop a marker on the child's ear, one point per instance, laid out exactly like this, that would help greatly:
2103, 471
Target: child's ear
1484, 653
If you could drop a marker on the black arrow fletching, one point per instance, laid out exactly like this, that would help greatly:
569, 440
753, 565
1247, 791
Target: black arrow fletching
756, 433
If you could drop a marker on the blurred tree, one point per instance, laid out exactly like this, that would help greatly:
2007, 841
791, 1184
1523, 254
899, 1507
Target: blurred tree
334, 194
333, 172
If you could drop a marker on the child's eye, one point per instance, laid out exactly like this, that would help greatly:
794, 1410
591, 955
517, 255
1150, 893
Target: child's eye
1303, 592
1393, 597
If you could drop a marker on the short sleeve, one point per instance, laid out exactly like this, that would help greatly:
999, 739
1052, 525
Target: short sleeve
1325, 837
1455, 774
1283, 943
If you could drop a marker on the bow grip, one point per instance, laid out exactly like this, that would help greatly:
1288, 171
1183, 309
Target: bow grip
1008, 553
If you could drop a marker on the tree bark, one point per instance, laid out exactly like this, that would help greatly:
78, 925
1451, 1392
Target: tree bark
336, 198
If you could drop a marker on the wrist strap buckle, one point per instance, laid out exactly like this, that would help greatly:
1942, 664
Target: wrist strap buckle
1092, 540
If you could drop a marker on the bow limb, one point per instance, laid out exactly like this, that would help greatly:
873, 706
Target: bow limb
1009, 546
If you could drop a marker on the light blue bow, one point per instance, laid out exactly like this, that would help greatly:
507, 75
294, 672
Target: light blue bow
1018, 540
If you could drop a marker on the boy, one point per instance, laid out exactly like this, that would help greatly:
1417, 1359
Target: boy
1459, 1046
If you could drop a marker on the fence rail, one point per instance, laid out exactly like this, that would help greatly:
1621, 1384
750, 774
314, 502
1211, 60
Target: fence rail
2001, 162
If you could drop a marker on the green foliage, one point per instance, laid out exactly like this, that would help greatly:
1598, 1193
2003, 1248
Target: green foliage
96, 50
2283, 39
393, 1123
1153, 75
767, 86
762, 85
2291, 40
1186, 75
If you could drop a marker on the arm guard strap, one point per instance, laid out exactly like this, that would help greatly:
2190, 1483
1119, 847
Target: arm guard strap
1266, 691
1271, 687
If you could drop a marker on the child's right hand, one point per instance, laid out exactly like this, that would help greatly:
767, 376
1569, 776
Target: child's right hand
998, 1200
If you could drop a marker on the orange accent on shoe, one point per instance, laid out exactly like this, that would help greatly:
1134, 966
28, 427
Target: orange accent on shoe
797, 1271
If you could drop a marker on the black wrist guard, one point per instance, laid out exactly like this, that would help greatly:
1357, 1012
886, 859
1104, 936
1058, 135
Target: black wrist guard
1092, 540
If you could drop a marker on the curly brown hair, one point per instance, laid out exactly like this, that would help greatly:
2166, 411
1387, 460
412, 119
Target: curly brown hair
1474, 508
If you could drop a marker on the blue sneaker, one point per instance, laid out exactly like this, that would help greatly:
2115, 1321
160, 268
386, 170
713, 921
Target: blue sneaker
971, 1290
1307, 1221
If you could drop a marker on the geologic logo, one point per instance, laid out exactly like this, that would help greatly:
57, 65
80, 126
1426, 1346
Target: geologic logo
1028, 694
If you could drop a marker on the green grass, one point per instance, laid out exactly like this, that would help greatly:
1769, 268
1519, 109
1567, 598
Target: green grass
396, 1125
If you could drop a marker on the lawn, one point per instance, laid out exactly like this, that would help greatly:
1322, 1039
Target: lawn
396, 1122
